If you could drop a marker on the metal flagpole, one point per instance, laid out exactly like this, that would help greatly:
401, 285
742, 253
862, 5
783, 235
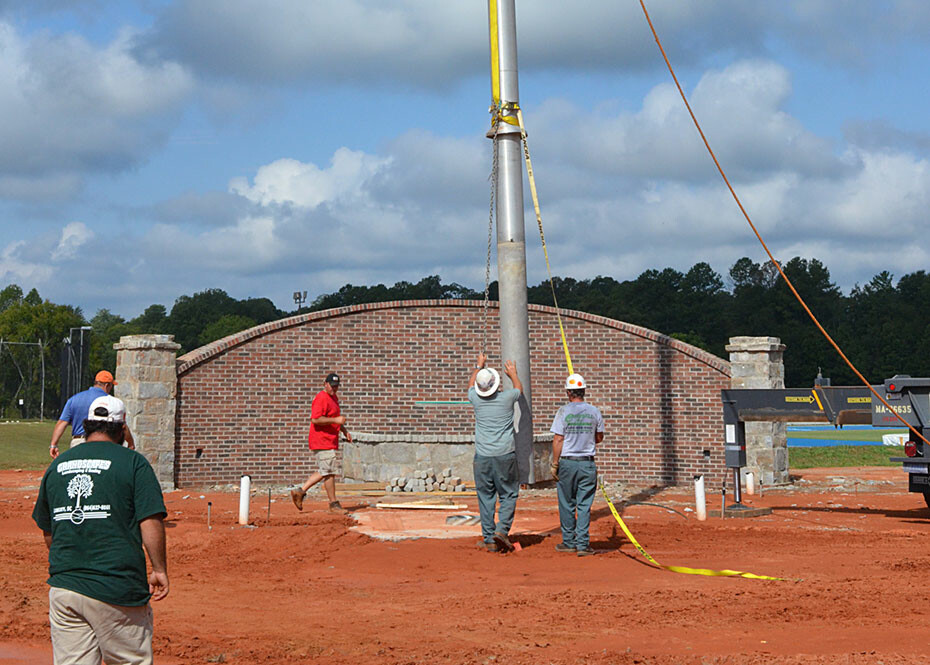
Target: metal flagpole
511, 246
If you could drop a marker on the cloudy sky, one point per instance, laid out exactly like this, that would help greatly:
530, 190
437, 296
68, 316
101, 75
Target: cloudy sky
154, 148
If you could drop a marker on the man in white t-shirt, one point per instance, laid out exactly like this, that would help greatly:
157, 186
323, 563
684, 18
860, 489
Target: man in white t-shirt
577, 427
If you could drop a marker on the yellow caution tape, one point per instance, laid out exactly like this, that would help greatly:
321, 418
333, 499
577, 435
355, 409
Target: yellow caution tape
679, 569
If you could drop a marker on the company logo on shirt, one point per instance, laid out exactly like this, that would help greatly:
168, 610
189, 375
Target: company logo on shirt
579, 422
81, 487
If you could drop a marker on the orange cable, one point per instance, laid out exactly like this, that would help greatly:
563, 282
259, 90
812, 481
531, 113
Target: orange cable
759, 236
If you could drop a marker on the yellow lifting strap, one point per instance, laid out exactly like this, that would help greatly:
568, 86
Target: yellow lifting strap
495, 53
679, 569
497, 111
542, 236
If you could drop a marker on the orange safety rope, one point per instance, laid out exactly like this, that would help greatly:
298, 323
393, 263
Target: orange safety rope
759, 236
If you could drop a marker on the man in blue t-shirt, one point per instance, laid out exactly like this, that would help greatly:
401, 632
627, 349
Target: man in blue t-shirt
577, 427
495, 463
75, 412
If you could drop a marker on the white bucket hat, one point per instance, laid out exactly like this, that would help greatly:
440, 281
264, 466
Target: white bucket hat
575, 382
487, 381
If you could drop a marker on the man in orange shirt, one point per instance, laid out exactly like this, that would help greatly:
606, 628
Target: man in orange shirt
326, 422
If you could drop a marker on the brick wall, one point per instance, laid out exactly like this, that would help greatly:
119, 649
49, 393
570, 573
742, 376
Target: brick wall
243, 402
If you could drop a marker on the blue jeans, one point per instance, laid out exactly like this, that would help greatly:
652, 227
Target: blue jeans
496, 477
577, 486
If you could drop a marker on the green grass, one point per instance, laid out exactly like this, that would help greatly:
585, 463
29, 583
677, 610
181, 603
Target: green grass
24, 445
873, 434
839, 456
814, 458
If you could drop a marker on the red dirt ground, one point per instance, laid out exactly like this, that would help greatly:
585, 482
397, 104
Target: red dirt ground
305, 588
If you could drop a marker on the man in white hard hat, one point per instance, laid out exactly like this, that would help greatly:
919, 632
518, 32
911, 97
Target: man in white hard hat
495, 463
577, 428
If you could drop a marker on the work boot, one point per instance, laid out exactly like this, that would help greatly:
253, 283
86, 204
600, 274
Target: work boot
562, 547
503, 542
297, 496
488, 547
336, 507
587, 551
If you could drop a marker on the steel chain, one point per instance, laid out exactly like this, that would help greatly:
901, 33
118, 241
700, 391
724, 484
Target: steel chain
487, 268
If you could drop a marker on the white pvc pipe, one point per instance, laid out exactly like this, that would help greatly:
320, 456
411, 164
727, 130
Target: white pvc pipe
750, 483
700, 501
245, 489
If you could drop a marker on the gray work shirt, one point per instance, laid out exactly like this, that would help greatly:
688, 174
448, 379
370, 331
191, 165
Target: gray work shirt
577, 422
494, 421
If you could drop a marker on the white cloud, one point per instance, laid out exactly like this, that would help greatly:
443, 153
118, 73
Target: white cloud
71, 108
638, 193
435, 44
741, 109
289, 181
336, 41
18, 269
73, 236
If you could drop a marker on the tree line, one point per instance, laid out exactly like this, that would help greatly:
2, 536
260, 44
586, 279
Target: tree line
881, 325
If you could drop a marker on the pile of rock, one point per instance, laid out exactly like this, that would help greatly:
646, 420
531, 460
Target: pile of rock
427, 481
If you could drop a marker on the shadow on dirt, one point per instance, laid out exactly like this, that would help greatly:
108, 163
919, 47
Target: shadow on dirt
920, 515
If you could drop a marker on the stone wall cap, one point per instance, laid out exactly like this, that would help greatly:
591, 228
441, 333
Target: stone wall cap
134, 342
754, 344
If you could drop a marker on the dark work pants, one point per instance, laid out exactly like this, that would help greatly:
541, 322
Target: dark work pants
577, 486
496, 477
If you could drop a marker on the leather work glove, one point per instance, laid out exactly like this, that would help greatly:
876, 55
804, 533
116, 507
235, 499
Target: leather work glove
554, 470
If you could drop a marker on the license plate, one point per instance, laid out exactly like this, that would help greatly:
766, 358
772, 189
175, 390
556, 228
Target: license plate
916, 468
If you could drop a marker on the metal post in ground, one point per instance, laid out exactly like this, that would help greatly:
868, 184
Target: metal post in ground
511, 244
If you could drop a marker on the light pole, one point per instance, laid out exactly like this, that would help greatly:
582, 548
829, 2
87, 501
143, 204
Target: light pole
79, 373
300, 297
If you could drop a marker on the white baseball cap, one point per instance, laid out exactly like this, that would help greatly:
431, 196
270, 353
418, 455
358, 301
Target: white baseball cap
575, 382
487, 381
108, 408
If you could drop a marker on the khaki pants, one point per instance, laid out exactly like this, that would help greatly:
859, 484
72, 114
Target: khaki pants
84, 630
77, 441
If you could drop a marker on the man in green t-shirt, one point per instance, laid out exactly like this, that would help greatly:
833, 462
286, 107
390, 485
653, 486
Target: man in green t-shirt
98, 505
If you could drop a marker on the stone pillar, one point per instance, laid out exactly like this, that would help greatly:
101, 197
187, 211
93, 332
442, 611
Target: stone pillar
147, 381
758, 362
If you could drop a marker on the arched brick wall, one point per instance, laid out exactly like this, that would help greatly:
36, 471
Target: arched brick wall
243, 401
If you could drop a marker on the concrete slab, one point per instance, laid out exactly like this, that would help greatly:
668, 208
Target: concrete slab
747, 512
403, 525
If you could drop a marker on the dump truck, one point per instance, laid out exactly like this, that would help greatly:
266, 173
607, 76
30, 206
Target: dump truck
907, 397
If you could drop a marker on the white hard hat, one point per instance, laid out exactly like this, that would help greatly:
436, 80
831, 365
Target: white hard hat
575, 382
487, 381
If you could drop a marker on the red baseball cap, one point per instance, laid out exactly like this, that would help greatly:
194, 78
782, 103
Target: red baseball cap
104, 376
